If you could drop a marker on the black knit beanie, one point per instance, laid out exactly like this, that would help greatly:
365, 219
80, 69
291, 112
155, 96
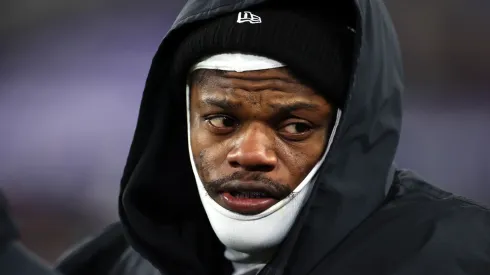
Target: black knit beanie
318, 51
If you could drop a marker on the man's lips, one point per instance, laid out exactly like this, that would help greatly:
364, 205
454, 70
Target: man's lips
248, 198
244, 205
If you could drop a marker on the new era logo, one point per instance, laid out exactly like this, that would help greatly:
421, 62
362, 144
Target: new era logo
248, 17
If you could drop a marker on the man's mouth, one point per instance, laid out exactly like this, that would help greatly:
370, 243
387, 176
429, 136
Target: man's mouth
248, 198
249, 194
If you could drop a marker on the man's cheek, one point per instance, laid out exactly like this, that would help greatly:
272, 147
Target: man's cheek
204, 164
210, 165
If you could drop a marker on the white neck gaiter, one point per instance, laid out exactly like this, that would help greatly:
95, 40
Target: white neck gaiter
263, 231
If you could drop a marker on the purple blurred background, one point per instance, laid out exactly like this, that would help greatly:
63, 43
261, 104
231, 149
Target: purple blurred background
72, 73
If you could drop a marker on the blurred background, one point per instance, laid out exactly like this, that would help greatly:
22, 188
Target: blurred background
72, 73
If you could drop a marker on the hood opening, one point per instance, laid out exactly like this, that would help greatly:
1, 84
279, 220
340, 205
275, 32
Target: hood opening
159, 205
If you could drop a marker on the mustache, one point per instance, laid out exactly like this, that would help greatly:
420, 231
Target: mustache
236, 182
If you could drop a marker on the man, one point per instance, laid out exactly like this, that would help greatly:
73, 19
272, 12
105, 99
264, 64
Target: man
15, 259
264, 145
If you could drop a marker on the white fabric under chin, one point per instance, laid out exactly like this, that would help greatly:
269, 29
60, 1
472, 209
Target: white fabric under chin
264, 231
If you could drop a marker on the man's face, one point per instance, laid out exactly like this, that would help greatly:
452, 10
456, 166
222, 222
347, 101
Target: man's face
255, 135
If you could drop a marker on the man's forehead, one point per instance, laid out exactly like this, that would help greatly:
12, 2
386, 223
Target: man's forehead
272, 87
278, 81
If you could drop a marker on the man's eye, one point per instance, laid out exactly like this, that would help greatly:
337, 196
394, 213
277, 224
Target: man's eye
297, 128
221, 122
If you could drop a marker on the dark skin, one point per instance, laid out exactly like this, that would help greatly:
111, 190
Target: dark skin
261, 126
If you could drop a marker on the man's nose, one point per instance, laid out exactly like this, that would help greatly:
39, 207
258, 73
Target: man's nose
253, 150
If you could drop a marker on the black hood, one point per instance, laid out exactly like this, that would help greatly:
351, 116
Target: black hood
159, 205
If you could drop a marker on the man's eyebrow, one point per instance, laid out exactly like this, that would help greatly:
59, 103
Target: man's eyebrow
291, 107
220, 102
284, 108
